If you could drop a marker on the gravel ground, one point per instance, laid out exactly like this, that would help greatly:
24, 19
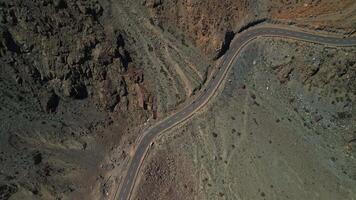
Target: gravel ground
279, 129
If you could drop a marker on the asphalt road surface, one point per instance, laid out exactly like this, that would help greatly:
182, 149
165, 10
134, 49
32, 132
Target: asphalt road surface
241, 40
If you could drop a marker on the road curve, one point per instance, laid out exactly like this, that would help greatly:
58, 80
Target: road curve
211, 87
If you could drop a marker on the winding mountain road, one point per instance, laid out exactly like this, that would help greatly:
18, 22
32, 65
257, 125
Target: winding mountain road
241, 40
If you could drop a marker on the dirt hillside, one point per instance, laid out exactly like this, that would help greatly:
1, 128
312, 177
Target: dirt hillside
80, 80
280, 129
209, 23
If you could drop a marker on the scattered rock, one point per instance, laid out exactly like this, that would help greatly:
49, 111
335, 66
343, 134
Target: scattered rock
6, 191
283, 73
7, 42
37, 158
52, 102
60, 4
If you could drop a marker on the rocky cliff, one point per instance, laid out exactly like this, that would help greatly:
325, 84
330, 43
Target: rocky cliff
65, 77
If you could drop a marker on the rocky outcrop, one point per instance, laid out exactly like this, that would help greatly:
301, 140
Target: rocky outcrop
50, 101
207, 23
7, 190
65, 77
7, 42
61, 46
229, 35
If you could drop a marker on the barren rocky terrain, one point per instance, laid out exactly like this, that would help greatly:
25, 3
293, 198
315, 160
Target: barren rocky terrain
209, 23
80, 80
280, 129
